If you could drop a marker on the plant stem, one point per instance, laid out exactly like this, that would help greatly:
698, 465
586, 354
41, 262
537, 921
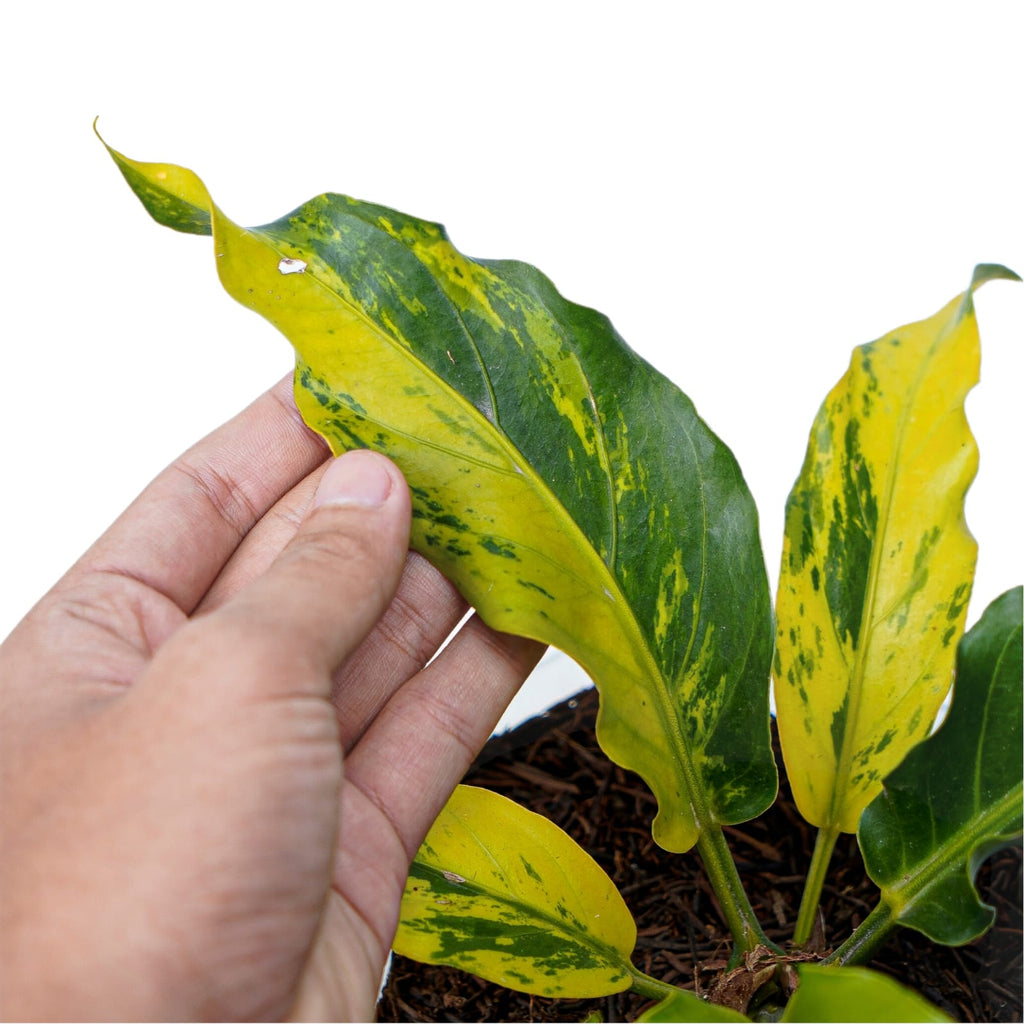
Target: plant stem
823, 847
650, 988
725, 880
869, 935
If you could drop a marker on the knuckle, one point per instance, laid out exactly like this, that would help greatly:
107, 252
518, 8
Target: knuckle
112, 604
218, 490
503, 653
448, 719
408, 631
286, 515
333, 547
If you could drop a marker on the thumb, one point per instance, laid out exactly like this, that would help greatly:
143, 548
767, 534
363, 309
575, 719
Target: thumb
289, 630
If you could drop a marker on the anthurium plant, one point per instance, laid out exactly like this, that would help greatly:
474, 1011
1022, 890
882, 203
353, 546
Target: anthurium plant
574, 496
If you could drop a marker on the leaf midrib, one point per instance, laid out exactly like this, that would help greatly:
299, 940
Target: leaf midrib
530, 910
949, 856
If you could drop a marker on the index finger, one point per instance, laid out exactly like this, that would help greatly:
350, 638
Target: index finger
177, 535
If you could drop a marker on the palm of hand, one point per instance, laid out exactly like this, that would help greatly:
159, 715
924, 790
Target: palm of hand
186, 836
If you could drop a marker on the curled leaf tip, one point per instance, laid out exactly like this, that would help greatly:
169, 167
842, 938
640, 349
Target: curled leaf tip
991, 272
106, 145
984, 272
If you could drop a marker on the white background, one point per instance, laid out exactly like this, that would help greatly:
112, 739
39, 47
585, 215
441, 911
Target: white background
748, 190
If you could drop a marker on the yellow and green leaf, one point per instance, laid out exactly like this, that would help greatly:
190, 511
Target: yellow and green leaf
877, 563
566, 487
505, 894
954, 801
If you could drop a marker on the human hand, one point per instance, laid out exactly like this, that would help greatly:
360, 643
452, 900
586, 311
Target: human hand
221, 743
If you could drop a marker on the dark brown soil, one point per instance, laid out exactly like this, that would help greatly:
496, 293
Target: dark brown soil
553, 766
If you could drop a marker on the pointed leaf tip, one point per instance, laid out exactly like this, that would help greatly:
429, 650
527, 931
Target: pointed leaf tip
173, 196
991, 272
984, 272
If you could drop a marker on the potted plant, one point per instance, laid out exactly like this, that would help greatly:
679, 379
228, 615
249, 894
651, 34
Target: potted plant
575, 496
552, 765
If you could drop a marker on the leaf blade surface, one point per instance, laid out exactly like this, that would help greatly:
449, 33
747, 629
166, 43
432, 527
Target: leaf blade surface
685, 1006
505, 894
877, 562
957, 798
855, 994
569, 490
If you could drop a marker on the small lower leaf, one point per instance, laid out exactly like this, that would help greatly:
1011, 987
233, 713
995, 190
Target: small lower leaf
687, 1007
957, 797
503, 893
855, 994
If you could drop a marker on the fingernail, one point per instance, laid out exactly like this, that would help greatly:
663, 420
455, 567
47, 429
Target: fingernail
355, 478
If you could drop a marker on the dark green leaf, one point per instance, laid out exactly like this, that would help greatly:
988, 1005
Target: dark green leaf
957, 797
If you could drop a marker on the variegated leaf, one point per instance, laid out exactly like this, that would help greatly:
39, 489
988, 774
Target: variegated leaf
568, 489
503, 893
877, 563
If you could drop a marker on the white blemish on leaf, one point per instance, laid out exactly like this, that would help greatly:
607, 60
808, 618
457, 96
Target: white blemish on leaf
289, 266
455, 879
